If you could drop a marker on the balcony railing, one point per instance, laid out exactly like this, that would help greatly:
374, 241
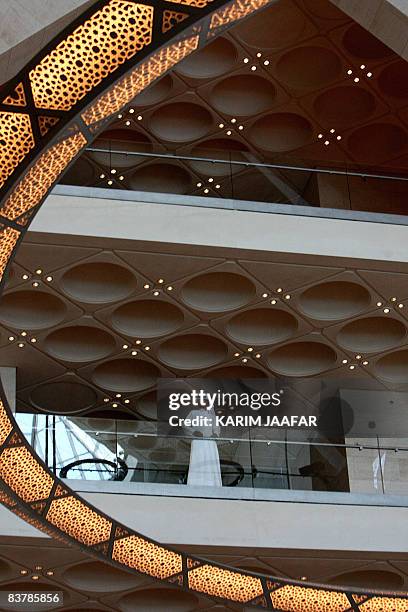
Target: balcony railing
133, 452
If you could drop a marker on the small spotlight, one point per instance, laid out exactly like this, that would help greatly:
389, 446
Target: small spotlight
349, 72
369, 74
273, 302
266, 63
139, 117
101, 176
24, 572
127, 401
199, 184
221, 125
131, 111
118, 395
134, 353
138, 342
125, 346
49, 279
253, 68
20, 345
229, 132
344, 361
114, 405
36, 284
264, 295
39, 271
160, 281
287, 296
236, 354
121, 178
246, 60
365, 363
146, 286
258, 355
352, 367
156, 293
233, 120
33, 340
279, 290
386, 310
113, 171
245, 360
206, 190
110, 182
170, 288
379, 304
127, 123
356, 80
24, 333
11, 338
35, 577
259, 54
147, 348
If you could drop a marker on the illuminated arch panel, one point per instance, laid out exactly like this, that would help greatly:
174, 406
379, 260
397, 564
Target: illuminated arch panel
50, 112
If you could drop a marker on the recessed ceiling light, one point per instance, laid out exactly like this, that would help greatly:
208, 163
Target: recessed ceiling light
241, 127
279, 290
36, 284
114, 405
246, 60
160, 281
386, 310
369, 74
264, 295
338, 137
25, 277
48, 279
39, 271
211, 180
138, 342
345, 361
127, 401
245, 360
221, 125
365, 362
20, 345
24, 333
113, 171
273, 302
379, 304
146, 286
110, 182
169, 288
217, 186
128, 122
320, 135
125, 346
199, 184
120, 116
259, 54
326, 142
206, 190
118, 395
233, 120
131, 111
229, 132
362, 66
134, 353
33, 340
266, 63
250, 349
156, 293
258, 355
287, 296
352, 367
349, 72
236, 354
400, 305
147, 348
253, 68
121, 178
11, 338
356, 80
102, 176
106, 399
139, 117
332, 131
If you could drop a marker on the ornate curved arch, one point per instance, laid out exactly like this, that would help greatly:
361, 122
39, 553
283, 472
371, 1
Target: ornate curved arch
48, 115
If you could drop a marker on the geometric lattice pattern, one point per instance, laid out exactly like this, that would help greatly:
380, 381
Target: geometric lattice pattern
45, 172
46, 123
234, 12
147, 557
78, 520
126, 89
22, 472
225, 584
172, 18
8, 240
68, 73
93, 51
298, 599
17, 97
16, 140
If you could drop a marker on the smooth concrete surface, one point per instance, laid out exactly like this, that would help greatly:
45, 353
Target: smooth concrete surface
205, 522
8, 379
151, 221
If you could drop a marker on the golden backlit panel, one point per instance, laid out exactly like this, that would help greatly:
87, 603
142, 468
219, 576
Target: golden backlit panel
8, 240
147, 557
17, 98
292, 598
123, 92
219, 582
384, 604
172, 18
91, 53
6, 499
79, 521
5, 424
24, 475
234, 12
46, 123
16, 140
195, 3
45, 172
